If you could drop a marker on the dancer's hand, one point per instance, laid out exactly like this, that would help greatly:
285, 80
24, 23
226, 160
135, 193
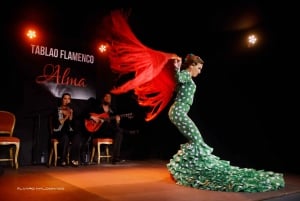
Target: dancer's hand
177, 62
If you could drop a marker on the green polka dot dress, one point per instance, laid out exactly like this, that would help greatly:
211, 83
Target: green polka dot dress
194, 165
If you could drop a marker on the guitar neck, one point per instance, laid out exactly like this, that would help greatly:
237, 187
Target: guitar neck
121, 115
105, 116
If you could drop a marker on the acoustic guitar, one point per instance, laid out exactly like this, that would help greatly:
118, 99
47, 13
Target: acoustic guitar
92, 126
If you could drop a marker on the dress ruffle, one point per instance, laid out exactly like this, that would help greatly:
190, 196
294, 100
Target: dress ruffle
206, 171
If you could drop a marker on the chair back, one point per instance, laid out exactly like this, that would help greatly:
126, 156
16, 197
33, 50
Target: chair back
7, 123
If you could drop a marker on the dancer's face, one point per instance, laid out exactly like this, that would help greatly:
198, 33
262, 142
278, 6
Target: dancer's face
195, 70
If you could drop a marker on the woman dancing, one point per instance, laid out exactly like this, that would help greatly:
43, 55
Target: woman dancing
157, 75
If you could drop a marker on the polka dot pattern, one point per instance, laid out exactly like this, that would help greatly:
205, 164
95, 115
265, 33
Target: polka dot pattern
194, 165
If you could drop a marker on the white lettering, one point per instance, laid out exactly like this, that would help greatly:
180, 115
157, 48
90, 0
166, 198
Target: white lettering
44, 51
75, 56
62, 54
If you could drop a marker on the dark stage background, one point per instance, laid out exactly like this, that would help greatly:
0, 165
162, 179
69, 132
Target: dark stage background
245, 104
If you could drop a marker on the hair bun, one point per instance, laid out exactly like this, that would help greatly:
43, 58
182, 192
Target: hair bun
189, 56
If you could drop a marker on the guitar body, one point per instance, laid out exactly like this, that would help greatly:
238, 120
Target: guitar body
91, 125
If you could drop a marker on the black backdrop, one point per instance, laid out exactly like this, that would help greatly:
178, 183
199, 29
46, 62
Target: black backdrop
246, 98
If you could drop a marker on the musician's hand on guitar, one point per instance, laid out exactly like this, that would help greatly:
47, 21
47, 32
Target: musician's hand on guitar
95, 119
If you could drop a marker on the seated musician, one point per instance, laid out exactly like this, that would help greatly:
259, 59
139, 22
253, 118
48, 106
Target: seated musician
106, 124
65, 129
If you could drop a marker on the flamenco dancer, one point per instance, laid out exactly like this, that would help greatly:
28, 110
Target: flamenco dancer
157, 75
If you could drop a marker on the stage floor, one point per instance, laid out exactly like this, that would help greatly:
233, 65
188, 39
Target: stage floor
147, 180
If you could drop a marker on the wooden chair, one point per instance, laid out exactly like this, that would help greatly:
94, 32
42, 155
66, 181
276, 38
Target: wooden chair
54, 146
7, 126
54, 153
53, 150
97, 142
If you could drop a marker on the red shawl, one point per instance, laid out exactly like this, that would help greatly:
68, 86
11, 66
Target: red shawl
153, 81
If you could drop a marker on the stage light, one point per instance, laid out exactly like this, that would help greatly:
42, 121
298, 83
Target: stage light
102, 48
31, 34
252, 40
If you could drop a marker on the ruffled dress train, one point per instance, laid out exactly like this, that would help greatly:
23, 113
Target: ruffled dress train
195, 166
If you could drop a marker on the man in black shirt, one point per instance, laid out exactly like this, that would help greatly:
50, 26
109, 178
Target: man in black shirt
106, 124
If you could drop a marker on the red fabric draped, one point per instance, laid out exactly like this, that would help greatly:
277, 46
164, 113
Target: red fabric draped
153, 81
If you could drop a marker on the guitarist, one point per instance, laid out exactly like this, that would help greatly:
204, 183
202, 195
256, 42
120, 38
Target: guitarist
109, 126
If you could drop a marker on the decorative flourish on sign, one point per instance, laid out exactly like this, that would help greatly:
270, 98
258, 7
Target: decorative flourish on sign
54, 73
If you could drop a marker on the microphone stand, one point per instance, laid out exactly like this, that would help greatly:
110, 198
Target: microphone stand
87, 144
